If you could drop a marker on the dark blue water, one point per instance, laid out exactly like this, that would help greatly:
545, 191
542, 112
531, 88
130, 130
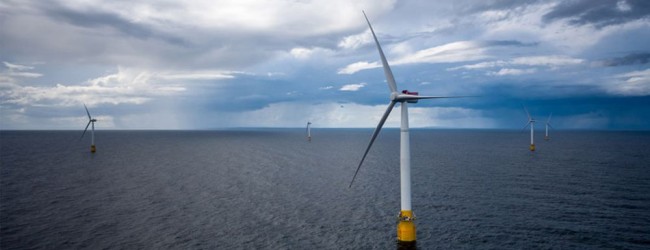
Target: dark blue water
271, 189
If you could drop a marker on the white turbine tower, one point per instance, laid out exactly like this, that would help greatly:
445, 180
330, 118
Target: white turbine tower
548, 124
309, 131
531, 122
406, 226
92, 133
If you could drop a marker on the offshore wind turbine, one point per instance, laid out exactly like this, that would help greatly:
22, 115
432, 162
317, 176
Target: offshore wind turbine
92, 133
548, 124
406, 226
309, 131
531, 122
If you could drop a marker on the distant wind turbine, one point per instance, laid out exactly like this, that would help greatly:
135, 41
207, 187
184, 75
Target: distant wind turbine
548, 124
531, 122
92, 133
406, 225
309, 131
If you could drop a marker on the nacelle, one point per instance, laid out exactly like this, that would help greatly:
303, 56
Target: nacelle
406, 92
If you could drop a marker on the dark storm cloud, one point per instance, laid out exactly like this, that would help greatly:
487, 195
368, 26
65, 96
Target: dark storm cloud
99, 19
631, 59
498, 5
600, 13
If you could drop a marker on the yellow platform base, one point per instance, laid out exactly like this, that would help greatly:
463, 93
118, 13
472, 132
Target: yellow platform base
532, 147
406, 228
93, 148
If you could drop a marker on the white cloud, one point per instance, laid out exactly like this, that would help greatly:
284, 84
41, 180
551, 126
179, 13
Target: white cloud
12, 66
623, 6
448, 53
25, 74
481, 65
17, 70
197, 75
514, 72
326, 87
355, 41
125, 86
452, 52
358, 66
353, 87
301, 53
635, 83
550, 61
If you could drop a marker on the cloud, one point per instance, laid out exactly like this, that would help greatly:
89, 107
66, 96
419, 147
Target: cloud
513, 72
358, 66
630, 59
301, 53
198, 75
447, 53
551, 61
355, 41
599, 13
183, 63
18, 67
452, 52
123, 87
25, 74
17, 70
353, 87
635, 83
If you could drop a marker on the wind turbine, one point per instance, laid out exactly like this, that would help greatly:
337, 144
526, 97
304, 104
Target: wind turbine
406, 225
531, 122
309, 131
90, 120
548, 124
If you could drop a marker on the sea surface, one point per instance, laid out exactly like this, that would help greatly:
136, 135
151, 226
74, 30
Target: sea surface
271, 189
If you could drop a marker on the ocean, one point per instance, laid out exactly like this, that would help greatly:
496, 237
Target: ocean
271, 189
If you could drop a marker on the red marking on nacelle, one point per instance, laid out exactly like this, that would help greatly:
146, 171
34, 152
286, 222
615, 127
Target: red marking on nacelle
409, 93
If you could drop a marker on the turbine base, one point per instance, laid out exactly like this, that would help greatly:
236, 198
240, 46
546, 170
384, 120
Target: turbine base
93, 148
309, 138
546, 138
406, 230
532, 147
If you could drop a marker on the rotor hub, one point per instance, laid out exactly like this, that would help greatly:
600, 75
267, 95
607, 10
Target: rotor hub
393, 96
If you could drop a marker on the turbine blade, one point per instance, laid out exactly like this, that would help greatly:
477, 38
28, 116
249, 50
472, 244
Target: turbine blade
389, 74
528, 114
528, 123
549, 118
549, 125
87, 112
82, 135
372, 139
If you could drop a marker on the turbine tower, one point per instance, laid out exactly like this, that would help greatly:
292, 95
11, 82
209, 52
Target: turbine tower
548, 124
406, 225
92, 133
531, 122
308, 131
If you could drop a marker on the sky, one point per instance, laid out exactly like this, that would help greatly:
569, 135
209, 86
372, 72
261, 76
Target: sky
212, 64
